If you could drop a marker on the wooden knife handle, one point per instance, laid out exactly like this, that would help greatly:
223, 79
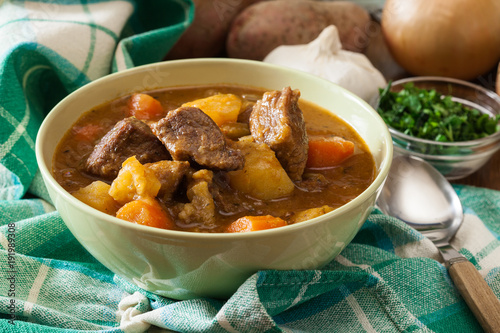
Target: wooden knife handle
477, 294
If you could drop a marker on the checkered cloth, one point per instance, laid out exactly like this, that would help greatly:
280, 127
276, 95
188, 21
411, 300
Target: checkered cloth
389, 279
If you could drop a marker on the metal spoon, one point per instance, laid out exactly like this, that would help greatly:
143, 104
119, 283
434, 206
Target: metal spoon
416, 193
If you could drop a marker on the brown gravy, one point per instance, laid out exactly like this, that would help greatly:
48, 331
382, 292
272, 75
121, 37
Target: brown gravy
346, 180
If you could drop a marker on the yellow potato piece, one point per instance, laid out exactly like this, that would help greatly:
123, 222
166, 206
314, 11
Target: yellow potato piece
96, 195
134, 181
311, 213
222, 108
262, 177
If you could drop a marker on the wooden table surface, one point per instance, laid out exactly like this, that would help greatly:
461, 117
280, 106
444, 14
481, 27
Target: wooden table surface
488, 176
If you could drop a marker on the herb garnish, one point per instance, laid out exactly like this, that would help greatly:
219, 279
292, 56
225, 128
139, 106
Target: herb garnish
429, 115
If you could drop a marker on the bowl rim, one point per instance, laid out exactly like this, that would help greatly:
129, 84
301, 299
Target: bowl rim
476, 142
376, 184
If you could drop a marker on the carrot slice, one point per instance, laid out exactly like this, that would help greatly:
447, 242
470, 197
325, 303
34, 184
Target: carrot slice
144, 107
145, 212
254, 223
87, 133
328, 151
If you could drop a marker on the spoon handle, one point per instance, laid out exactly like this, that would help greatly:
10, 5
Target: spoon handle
477, 294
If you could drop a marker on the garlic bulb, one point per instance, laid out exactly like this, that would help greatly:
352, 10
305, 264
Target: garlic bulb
324, 57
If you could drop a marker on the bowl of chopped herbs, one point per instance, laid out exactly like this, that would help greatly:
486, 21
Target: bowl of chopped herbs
453, 124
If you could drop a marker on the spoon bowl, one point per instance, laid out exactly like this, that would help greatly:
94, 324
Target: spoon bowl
419, 195
416, 193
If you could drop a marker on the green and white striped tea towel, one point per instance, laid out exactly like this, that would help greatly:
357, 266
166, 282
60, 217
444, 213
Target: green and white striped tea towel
388, 279
50, 48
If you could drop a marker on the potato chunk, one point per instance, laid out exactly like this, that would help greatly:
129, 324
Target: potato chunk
310, 214
96, 195
262, 177
134, 181
222, 108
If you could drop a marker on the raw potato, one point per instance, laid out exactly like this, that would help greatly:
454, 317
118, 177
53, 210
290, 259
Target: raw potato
262, 177
381, 58
206, 36
262, 27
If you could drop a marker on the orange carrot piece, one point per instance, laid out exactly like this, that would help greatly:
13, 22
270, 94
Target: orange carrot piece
87, 133
254, 223
144, 107
145, 212
328, 151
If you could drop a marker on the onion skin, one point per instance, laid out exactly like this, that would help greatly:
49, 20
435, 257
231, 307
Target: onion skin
453, 38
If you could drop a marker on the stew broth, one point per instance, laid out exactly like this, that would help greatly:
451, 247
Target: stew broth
345, 180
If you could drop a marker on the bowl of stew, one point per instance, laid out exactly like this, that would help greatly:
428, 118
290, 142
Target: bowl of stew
186, 177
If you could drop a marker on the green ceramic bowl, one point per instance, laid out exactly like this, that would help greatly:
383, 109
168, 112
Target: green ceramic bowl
184, 265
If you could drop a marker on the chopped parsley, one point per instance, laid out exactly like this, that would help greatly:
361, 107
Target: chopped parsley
429, 115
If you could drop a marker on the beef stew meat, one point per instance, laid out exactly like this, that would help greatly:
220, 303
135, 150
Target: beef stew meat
241, 159
129, 137
170, 174
277, 121
187, 125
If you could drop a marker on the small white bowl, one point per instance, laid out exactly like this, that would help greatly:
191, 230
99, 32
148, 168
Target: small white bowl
185, 265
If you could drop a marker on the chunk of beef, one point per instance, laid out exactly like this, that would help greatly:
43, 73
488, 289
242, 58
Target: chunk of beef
170, 175
278, 121
188, 133
228, 200
235, 130
244, 116
200, 211
313, 182
127, 138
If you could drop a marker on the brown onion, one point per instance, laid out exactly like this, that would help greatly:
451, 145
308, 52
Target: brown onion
454, 38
